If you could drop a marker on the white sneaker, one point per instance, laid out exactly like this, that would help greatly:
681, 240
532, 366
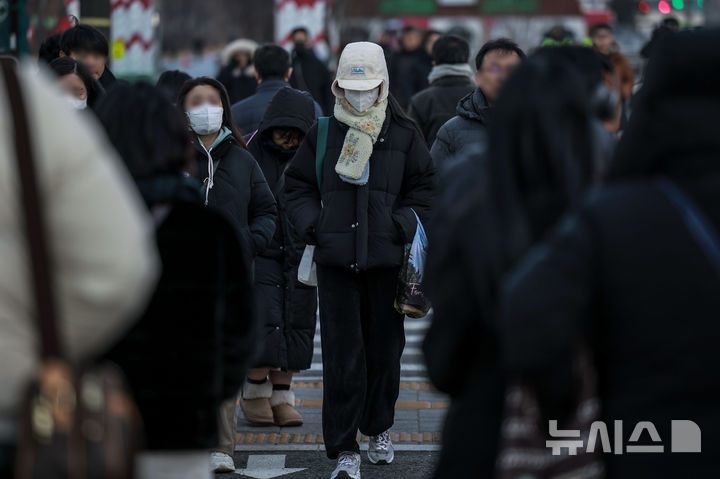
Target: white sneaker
221, 462
381, 449
348, 466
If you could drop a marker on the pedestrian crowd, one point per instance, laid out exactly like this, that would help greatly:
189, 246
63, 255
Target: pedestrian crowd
189, 232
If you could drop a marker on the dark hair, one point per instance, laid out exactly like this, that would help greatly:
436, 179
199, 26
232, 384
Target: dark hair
227, 111
170, 83
63, 66
398, 114
670, 130
299, 30
50, 48
450, 50
271, 62
671, 22
148, 132
595, 29
429, 34
589, 64
410, 29
84, 38
500, 44
540, 152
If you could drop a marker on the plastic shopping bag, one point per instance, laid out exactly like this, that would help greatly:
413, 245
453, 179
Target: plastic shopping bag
307, 271
410, 299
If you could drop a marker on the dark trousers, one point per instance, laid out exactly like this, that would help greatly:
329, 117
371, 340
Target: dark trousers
362, 341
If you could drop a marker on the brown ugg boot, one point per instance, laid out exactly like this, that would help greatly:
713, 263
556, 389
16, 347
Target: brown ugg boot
283, 408
255, 403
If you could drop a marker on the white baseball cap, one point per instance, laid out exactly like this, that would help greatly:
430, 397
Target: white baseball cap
362, 67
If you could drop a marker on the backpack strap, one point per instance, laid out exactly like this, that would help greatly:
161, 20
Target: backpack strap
323, 124
34, 218
695, 220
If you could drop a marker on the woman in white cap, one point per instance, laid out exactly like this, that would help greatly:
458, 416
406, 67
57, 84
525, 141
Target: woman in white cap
356, 202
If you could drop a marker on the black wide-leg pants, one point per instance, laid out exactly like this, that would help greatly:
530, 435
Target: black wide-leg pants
362, 341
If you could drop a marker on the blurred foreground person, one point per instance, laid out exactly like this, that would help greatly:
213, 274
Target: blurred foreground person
496, 204
649, 316
234, 185
494, 62
76, 81
357, 208
199, 306
237, 73
450, 80
286, 307
98, 232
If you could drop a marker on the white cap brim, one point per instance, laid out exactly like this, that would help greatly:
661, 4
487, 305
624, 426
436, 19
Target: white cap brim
359, 85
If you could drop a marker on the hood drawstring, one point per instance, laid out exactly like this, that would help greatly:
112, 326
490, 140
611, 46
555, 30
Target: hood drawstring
211, 173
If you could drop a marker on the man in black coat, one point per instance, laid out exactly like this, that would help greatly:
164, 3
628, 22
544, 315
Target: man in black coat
286, 307
409, 67
494, 62
273, 71
635, 275
309, 73
89, 46
450, 80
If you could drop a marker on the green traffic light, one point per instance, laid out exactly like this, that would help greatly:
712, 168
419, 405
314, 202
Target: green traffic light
678, 4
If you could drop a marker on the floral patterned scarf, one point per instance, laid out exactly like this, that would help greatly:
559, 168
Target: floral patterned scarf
364, 130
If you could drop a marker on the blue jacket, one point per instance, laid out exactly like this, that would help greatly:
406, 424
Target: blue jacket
249, 112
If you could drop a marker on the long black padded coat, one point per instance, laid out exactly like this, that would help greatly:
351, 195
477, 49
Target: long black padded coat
240, 192
286, 308
362, 227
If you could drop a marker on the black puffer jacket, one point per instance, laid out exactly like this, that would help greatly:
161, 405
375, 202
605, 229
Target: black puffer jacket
203, 301
434, 106
409, 72
286, 307
362, 227
468, 128
240, 192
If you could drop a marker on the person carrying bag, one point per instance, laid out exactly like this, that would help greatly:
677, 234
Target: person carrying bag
74, 423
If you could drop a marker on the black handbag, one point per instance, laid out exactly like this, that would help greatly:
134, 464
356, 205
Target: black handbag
74, 423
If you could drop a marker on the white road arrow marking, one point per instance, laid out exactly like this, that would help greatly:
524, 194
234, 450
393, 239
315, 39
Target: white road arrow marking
266, 467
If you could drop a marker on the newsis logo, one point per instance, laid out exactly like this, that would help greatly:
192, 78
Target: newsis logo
685, 437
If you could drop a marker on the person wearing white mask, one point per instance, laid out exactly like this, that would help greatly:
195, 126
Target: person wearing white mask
76, 82
358, 209
234, 185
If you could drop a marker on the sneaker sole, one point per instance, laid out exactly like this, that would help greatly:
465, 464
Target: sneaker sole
382, 462
343, 475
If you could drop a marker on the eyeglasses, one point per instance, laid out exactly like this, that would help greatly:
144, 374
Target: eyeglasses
289, 136
496, 70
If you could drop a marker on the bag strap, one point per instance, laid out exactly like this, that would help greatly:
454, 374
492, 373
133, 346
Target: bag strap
46, 311
323, 124
695, 220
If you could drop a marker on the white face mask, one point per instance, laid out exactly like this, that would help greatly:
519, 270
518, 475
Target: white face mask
75, 102
205, 119
362, 100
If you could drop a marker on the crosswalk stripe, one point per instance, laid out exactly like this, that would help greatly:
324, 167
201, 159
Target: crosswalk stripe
275, 439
